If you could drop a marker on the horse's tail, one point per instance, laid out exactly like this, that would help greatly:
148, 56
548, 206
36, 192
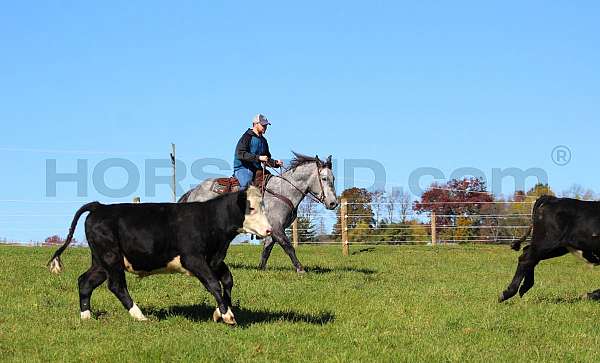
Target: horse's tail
516, 245
55, 265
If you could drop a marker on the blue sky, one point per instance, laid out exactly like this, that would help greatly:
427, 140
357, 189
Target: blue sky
408, 84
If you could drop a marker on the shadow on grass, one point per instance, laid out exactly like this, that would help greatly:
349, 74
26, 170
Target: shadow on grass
367, 250
308, 269
244, 317
99, 314
558, 300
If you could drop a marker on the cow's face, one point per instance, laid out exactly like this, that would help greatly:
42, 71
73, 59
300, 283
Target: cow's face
255, 220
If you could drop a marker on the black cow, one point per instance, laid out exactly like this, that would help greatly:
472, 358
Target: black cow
152, 238
559, 226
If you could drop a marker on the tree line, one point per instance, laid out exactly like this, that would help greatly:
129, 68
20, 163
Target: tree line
465, 212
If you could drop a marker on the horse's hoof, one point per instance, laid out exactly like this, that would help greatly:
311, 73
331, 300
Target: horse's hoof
300, 271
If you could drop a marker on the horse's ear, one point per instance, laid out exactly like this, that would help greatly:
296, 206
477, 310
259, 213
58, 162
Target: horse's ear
318, 160
329, 163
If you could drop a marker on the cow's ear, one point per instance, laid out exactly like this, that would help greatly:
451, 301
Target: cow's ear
242, 201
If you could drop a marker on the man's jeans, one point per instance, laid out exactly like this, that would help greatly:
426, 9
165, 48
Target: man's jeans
244, 176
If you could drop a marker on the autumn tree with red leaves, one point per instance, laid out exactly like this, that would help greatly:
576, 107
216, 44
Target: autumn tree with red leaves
457, 198
57, 241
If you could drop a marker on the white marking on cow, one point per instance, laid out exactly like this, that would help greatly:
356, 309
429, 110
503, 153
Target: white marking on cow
217, 315
86, 315
128, 265
228, 318
173, 266
255, 220
55, 266
136, 313
579, 255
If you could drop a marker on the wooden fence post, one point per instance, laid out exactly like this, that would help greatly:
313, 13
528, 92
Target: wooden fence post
433, 229
344, 220
295, 233
174, 163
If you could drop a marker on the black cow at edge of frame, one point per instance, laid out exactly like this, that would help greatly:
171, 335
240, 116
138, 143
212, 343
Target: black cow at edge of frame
151, 238
558, 226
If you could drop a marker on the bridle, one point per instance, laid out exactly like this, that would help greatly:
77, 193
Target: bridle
318, 199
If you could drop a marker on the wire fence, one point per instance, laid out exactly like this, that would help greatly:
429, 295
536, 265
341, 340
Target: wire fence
506, 222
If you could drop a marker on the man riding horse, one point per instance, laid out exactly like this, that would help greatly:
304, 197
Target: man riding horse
283, 193
252, 149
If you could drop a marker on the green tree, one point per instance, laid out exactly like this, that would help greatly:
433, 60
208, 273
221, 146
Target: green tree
520, 209
306, 217
360, 214
306, 230
406, 232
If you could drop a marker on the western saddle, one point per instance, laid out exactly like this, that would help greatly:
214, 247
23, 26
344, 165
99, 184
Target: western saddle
231, 184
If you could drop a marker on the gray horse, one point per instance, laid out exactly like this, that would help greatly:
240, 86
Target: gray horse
283, 193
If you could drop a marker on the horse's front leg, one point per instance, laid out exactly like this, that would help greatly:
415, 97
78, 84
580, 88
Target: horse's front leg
284, 242
266, 252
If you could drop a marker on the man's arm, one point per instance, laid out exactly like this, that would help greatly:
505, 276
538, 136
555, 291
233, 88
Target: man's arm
272, 163
242, 150
267, 152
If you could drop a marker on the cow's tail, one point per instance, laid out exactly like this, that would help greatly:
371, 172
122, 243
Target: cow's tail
516, 245
55, 265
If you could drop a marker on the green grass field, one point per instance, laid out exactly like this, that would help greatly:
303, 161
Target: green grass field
382, 304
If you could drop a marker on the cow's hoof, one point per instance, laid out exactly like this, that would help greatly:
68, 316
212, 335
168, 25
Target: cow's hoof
136, 313
228, 318
86, 315
217, 315
501, 298
584, 296
590, 296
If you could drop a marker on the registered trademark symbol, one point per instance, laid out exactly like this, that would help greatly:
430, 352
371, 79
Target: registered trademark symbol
561, 155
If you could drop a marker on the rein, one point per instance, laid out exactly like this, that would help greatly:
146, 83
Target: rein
319, 199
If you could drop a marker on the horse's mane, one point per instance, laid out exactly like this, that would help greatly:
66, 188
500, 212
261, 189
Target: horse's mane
300, 159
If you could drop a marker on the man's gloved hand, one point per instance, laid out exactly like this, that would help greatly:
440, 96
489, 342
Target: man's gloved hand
271, 162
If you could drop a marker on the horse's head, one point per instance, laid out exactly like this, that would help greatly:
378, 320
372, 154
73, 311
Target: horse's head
317, 178
324, 184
